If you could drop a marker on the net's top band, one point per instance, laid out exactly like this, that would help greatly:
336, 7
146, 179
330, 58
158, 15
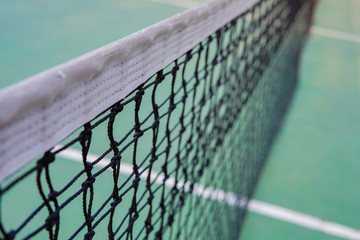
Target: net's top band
42, 110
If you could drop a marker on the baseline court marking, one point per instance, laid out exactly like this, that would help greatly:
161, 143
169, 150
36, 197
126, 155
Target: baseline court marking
126, 169
178, 3
344, 36
303, 220
325, 32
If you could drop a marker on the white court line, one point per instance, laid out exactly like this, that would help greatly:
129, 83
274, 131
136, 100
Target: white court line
303, 220
126, 169
178, 3
262, 208
349, 37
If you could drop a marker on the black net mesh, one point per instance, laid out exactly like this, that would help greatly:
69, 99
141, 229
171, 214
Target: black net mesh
180, 156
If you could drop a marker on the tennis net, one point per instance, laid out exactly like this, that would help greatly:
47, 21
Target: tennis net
167, 129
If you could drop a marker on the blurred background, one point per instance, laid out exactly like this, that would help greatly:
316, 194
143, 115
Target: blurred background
314, 165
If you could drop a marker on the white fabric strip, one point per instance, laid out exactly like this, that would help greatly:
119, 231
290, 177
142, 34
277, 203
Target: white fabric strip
40, 111
259, 207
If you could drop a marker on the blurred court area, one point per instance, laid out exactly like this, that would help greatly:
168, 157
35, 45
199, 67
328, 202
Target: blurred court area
313, 168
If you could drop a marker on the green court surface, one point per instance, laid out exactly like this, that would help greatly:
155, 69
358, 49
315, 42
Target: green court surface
313, 168
37, 35
260, 227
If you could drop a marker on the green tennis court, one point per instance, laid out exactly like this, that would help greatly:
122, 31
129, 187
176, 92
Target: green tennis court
312, 168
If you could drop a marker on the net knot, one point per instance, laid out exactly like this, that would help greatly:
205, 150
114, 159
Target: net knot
166, 176
51, 220
88, 166
174, 190
149, 227
172, 107
175, 69
182, 130
167, 132
115, 160
162, 206
156, 123
140, 93
184, 97
46, 159
52, 196
136, 181
211, 92
188, 56
117, 108
138, 133
191, 189
153, 159
10, 235
207, 162
214, 62
182, 198
167, 149
170, 219
158, 235
89, 235
135, 217
150, 198
200, 48
116, 202
85, 135
218, 33
88, 182
189, 147
160, 77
